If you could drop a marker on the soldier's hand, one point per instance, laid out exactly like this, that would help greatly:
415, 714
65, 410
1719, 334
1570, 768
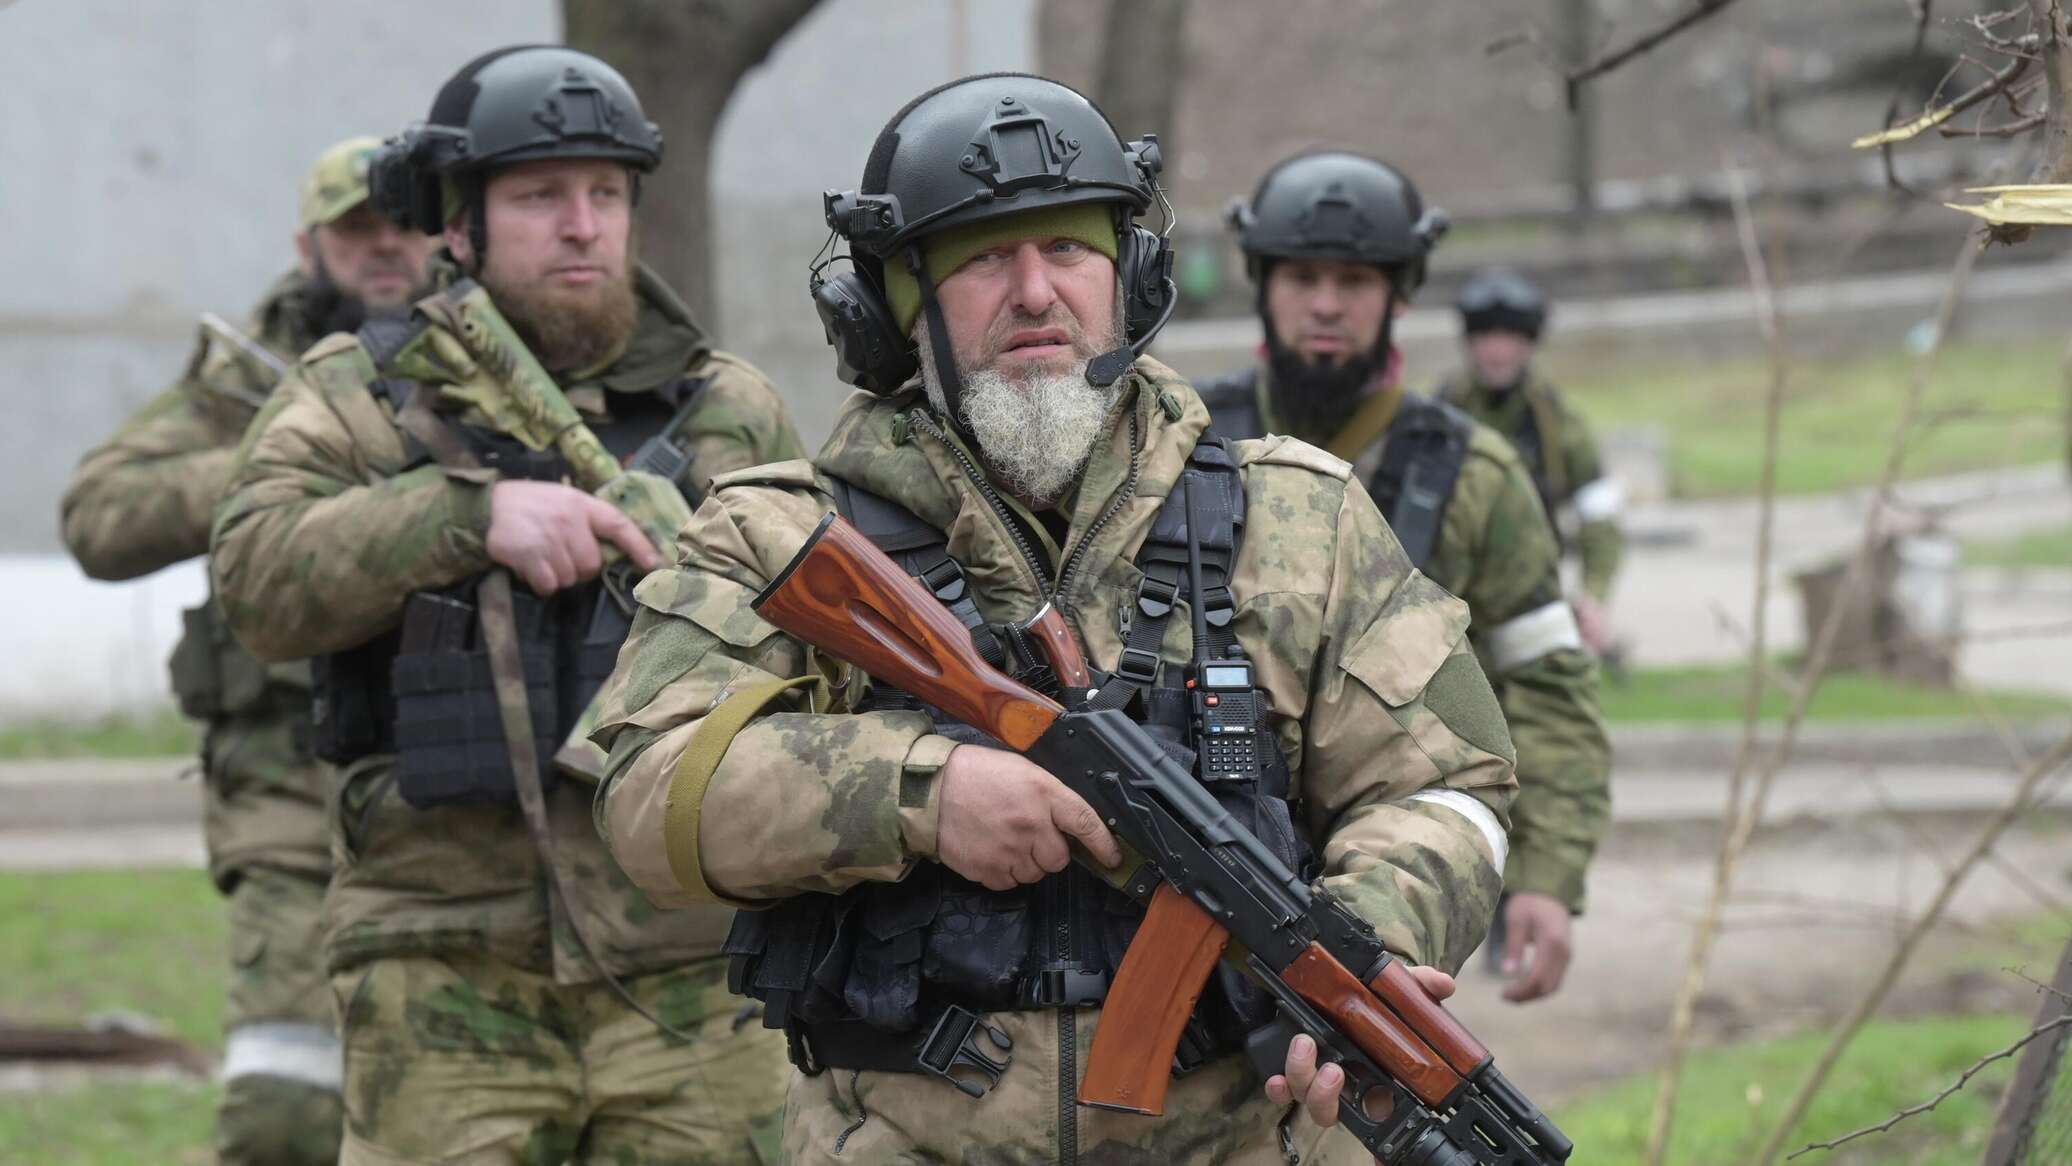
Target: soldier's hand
1004, 821
1536, 945
1592, 623
1317, 1088
552, 535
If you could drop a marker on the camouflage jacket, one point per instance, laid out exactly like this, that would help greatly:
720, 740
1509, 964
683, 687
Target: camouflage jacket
1401, 764
324, 536
1566, 467
1497, 550
141, 501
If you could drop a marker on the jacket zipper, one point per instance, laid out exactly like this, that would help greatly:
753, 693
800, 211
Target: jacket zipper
1115, 505
926, 424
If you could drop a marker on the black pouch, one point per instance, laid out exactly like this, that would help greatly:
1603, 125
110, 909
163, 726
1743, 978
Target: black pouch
352, 708
883, 988
449, 728
979, 943
793, 957
197, 685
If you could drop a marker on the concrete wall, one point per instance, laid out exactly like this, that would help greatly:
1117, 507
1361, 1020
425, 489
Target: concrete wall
149, 160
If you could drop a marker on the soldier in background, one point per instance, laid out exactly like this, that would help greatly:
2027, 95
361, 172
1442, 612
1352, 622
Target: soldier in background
1336, 244
1502, 315
140, 502
505, 995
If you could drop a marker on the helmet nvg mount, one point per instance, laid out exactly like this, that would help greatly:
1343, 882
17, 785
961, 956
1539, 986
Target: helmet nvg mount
1342, 206
981, 148
515, 104
1499, 299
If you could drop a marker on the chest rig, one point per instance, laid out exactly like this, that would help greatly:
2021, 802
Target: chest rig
894, 976
425, 691
1427, 446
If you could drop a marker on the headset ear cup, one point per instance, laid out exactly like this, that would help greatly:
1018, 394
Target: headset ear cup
870, 352
1145, 263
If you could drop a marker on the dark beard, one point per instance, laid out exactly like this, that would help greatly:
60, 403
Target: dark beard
329, 309
568, 332
1316, 398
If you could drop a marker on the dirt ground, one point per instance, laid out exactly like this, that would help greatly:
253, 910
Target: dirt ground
1818, 912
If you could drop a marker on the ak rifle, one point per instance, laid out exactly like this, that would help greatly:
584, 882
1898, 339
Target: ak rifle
1420, 1090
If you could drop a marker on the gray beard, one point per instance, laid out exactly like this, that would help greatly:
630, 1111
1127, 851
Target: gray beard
1034, 435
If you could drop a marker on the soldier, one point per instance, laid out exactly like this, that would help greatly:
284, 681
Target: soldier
1017, 451
504, 994
1336, 246
1502, 315
141, 502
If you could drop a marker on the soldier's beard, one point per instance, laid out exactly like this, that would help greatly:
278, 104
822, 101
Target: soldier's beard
567, 328
1036, 430
1315, 398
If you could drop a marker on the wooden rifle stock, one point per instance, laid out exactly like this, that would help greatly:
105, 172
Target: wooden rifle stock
840, 593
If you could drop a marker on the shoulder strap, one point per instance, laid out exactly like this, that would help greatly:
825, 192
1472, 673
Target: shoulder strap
922, 550
1233, 403
1427, 445
1548, 459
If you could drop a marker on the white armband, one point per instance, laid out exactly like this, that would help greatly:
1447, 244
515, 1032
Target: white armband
1600, 499
309, 1053
1522, 639
1483, 818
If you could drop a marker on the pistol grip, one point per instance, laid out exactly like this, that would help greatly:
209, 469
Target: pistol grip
1154, 993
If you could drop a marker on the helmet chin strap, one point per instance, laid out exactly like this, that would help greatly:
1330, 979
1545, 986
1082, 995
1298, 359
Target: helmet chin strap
939, 351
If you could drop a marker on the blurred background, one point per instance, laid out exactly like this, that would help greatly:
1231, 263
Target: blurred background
149, 165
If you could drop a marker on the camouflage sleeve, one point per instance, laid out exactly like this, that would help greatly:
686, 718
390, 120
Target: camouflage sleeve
323, 535
801, 799
741, 422
141, 500
1526, 636
1406, 770
1598, 501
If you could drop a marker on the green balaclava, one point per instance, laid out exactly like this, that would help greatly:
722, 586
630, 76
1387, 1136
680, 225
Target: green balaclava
1090, 223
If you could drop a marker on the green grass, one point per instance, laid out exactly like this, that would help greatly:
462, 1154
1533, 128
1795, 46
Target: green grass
1838, 416
161, 734
2037, 548
110, 1125
1730, 1097
80, 942
1713, 692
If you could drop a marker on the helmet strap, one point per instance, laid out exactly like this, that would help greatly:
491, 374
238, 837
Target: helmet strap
939, 350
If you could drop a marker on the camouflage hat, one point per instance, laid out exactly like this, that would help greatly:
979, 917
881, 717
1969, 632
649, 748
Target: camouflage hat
338, 181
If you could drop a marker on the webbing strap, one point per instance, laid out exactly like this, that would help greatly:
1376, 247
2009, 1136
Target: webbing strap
694, 770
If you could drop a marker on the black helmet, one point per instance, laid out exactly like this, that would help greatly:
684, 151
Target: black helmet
1499, 299
1337, 205
980, 148
514, 104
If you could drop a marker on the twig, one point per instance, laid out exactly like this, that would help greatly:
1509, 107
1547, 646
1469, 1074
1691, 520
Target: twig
1846, 1032
2024, 976
1643, 43
2004, 130
1922, 11
1735, 843
1938, 1099
1738, 818
1929, 119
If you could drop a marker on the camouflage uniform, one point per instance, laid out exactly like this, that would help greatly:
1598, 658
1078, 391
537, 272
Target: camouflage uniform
474, 1024
1563, 458
1496, 550
1401, 764
141, 502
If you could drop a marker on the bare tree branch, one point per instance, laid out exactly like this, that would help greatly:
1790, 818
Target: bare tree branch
1922, 12
2005, 130
2054, 40
1929, 119
1645, 42
1945, 1095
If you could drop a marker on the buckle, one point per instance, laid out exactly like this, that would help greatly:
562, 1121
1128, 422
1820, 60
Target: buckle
1063, 988
953, 1045
1218, 606
1155, 596
1137, 666
945, 579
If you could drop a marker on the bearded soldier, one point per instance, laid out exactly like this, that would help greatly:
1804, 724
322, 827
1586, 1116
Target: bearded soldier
1502, 315
141, 502
505, 994
904, 876
1336, 246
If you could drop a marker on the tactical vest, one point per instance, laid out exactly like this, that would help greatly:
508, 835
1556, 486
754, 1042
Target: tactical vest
893, 976
1537, 438
424, 691
1427, 446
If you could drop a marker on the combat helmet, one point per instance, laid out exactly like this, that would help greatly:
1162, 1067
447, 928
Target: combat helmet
1334, 204
962, 154
1500, 299
514, 104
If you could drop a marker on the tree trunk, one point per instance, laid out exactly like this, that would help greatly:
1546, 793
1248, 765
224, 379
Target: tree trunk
1143, 59
2055, 164
684, 58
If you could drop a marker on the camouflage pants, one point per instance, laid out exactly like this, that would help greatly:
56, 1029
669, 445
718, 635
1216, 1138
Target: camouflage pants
280, 1059
1217, 1114
468, 1061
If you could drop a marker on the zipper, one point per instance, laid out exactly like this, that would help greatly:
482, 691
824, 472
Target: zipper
1068, 1027
1122, 496
926, 424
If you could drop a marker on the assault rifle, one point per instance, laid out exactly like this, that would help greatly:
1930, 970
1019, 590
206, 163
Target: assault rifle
521, 398
1420, 1090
